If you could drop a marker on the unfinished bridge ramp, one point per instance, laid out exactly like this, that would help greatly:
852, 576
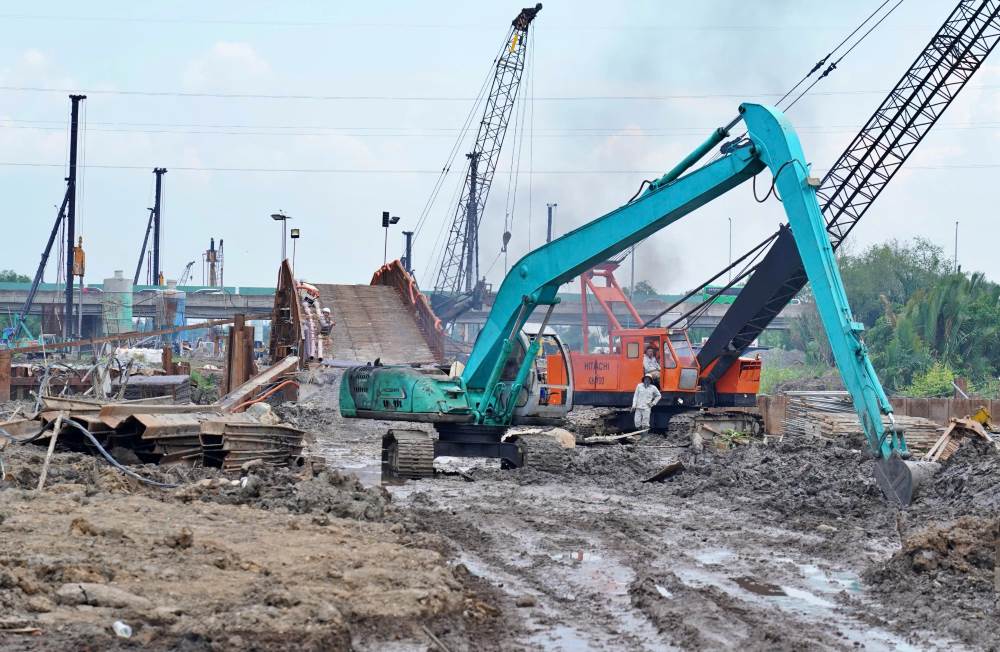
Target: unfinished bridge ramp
374, 321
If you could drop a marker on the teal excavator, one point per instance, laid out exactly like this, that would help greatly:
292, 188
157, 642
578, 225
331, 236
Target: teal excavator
503, 383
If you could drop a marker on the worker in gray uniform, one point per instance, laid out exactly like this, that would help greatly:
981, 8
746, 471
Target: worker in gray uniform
645, 397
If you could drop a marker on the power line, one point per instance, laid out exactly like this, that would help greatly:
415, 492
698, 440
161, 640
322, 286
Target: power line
418, 132
672, 27
417, 171
432, 98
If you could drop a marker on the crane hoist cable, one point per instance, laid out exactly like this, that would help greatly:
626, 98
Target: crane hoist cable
833, 66
819, 64
822, 62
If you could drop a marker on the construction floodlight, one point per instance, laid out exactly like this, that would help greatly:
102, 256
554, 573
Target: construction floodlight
294, 234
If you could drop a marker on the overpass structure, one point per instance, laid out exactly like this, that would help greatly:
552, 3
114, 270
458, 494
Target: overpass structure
568, 313
222, 303
201, 303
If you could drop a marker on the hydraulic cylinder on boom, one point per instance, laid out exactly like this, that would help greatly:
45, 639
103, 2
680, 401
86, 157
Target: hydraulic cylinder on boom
502, 385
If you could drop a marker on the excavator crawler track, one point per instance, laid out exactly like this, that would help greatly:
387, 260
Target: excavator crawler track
408, 453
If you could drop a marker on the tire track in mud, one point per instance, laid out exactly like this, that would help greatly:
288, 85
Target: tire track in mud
614, 571
579, 585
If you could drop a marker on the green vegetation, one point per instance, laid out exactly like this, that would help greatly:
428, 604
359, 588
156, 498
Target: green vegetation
10, 276
7, 320
644, 289
772, 376
926, 324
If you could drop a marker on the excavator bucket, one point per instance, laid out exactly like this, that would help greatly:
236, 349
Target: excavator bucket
899, 479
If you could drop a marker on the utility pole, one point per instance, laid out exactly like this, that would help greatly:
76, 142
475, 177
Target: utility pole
408, 252
159, 172
548, 234
472, 225
74, 126
956, 246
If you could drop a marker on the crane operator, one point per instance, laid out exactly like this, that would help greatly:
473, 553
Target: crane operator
651, 365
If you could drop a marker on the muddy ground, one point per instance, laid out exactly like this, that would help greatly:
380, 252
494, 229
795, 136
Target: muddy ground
783, 545
780, 545
275, 560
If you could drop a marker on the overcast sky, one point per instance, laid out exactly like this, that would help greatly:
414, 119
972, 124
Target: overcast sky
382, 88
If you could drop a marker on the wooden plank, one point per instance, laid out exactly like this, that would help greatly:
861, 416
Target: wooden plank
245, 392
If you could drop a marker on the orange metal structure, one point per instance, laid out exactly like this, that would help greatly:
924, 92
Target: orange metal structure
609, 378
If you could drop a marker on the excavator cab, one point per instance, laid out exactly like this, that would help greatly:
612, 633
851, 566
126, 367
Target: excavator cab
545, 398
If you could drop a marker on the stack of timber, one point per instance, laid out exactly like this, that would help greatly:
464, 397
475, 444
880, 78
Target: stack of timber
831, 415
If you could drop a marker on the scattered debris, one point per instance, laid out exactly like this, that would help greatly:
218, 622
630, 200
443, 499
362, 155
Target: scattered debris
666, 472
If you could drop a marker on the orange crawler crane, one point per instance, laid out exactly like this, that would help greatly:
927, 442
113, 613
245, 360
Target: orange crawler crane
608, 378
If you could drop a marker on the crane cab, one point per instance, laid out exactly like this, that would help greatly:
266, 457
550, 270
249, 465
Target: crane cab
609, 378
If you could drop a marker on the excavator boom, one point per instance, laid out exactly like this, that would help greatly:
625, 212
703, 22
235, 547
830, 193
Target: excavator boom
488, 392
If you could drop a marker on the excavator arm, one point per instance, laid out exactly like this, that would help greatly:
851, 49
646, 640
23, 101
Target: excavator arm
480, 396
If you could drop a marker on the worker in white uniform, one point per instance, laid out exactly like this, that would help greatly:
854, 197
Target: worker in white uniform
645, 397
651, 365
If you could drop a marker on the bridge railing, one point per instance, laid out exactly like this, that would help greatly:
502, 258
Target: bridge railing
394, 275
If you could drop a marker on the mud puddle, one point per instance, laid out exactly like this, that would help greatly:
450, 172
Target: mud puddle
807, 593
575, 574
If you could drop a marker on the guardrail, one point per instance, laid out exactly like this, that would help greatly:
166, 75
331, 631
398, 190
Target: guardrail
393, 275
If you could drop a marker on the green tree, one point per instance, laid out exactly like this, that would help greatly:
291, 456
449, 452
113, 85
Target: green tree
10, 276
644, 288
936, 382
891, 272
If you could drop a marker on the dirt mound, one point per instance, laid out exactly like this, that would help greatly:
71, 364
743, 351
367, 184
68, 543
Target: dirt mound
968, 482
312, 489
793, 476
278, 559
944, 575
323, 492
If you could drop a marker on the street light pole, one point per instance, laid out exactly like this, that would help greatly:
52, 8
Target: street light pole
956, 246
295, 240
548, 233
386, 221
281, 217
